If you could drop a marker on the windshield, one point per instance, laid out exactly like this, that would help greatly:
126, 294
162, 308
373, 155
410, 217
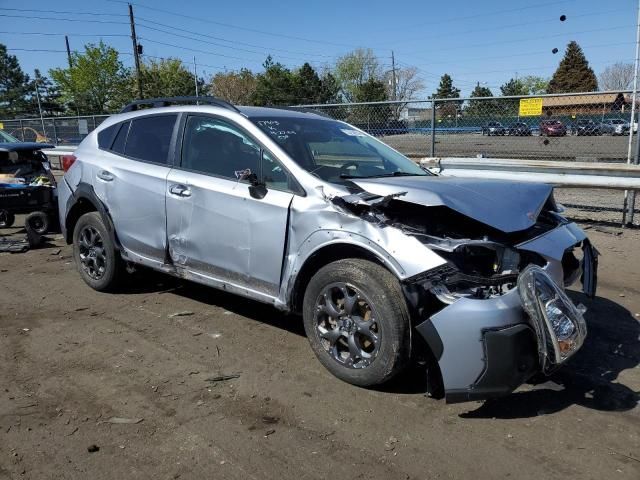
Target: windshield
6, 138
335, 151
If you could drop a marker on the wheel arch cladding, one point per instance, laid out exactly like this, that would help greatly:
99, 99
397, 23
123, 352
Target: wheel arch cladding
85, 200
321, 257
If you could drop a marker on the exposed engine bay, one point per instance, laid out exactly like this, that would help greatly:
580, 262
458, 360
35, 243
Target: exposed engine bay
482, 261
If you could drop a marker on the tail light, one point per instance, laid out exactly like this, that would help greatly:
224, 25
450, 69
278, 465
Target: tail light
67, 161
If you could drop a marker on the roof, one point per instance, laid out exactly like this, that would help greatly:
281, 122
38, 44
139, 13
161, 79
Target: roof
279, 112
571, 100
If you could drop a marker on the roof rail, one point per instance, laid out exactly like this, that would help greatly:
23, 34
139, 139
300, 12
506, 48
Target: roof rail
167, 101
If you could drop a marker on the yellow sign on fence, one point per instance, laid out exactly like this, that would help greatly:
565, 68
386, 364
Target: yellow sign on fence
1, 126
530, 107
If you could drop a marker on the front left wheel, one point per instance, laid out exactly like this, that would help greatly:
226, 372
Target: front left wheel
357, 321
96, 256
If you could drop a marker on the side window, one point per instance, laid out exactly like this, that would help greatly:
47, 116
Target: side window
149, 138
275, 176
121, 138
106, 136
219, 148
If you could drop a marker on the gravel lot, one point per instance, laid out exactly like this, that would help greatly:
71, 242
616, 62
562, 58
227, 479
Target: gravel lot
73, 361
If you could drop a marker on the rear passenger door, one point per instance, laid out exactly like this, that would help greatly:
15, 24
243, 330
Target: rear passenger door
131, 180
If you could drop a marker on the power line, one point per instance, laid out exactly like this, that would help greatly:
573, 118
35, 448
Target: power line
233, 42
67, 34
488, 14
528, 39
503, 27
195, 50
49, 50
214, 43
31, 17
66, 12
238, 27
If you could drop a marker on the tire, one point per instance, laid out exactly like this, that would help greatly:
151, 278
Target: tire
96, 257
38, 221
6, 219
382, 343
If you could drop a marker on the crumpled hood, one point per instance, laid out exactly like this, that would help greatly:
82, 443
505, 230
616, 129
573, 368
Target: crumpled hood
504, 205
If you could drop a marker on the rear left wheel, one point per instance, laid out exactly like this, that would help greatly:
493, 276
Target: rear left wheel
96, 256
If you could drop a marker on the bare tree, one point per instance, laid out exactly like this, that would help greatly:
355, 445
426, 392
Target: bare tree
407, 85
234, 87
618, 76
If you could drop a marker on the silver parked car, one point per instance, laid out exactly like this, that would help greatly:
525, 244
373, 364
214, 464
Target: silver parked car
386, 262
615, 126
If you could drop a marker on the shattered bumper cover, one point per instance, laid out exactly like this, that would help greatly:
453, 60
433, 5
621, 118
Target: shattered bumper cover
487, 348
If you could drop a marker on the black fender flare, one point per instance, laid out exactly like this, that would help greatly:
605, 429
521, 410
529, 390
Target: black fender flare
85, 192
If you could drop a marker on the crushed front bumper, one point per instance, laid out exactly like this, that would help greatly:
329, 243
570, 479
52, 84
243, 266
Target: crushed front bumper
487, 348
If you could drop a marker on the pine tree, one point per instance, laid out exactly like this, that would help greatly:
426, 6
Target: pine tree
574, 73
13, 85
480, 108
446, 88
308, 85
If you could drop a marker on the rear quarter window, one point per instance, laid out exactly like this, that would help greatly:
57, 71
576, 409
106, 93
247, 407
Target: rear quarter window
105, 137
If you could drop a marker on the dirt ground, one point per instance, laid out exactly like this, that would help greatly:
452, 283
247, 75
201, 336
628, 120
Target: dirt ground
73, 362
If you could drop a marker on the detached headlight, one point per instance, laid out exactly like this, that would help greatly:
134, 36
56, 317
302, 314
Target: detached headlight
559, 324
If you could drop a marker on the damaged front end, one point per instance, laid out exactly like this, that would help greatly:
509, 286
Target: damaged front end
495, 313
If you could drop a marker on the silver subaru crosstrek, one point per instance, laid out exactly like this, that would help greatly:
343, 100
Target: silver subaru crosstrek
386, 262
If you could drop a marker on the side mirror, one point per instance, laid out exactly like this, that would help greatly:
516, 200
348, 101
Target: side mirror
257, 189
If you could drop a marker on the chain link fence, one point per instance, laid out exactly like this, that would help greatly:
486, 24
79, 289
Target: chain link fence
54, 130
580, 127
585, 127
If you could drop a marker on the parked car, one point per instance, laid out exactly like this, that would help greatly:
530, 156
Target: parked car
586, 127
27, 186
493, 128
552, 128
615, 126
386, 262
519, 129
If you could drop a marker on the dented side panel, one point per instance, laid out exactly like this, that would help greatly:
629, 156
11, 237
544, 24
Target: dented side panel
317, 223
221, 232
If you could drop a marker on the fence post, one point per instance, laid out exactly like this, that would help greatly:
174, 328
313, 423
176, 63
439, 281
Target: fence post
630, 199
21, 130
433, 128
55, 131
94, 121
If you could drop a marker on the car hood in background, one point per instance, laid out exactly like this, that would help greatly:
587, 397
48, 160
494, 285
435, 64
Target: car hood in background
22, 146
503, 205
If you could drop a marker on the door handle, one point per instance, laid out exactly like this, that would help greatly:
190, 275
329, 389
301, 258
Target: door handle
105, 175
180, 190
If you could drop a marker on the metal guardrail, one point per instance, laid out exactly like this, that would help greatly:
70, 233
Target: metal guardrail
561, 174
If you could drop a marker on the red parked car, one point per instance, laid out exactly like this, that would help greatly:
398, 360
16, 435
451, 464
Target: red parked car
552, 128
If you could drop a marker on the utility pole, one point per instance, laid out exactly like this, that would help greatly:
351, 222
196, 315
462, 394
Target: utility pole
66, 40
630, 196
195, 74
393, 76
44, 131
136, 54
